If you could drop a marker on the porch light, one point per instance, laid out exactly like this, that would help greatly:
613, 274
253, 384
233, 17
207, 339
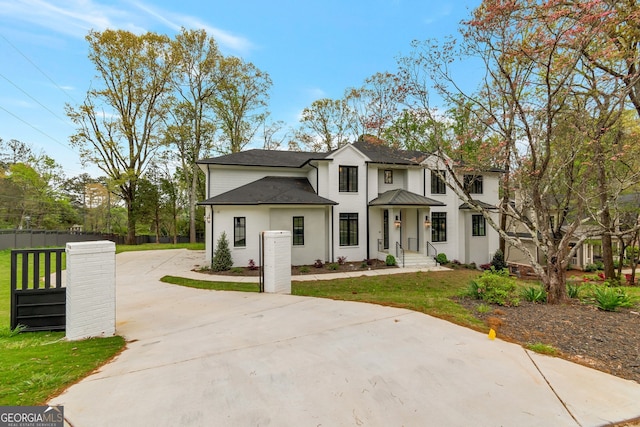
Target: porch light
208, 218
427, 223
397, 222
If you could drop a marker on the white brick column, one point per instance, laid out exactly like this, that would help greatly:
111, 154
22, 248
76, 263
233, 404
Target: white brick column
91, 289
277, 261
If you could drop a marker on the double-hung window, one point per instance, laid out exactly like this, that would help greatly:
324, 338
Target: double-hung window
348, 179
348, 229
438, 185
473, 184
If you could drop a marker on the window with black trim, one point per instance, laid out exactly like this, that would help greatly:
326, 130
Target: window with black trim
239, 231
348, 229
388, 176
438, 185
473, 184
478, 225
438, 226
348, 179
298, 230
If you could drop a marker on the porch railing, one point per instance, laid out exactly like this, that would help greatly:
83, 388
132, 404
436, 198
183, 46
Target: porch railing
431, 250
400, 253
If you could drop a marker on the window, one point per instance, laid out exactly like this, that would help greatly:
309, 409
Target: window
473, 184
239, 231
388, 176
438, 226
348, 229
348, 179
437, 184
478, 225
298, 230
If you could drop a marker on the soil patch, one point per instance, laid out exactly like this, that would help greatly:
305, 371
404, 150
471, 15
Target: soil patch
324, 268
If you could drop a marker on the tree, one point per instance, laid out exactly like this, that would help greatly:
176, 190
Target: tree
222, 257
120, 125
239, 103
193, 121
327, 124
524, 100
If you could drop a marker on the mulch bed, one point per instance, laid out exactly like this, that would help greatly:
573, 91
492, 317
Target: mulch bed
607, 341
372, 264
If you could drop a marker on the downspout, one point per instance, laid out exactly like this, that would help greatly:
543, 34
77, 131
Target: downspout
317, 178
332, 235
366, 199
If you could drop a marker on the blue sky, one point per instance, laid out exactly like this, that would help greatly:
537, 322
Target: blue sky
311, 50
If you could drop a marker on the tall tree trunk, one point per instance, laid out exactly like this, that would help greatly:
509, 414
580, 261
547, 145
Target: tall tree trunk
554, 281
131, 224
192, 206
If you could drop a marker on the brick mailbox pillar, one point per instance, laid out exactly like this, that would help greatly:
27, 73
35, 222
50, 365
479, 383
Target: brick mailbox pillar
91, 289
277, 261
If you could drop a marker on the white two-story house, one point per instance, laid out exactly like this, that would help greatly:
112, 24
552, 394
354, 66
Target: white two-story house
361, 201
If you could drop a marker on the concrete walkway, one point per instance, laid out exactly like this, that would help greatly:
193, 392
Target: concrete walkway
215, 358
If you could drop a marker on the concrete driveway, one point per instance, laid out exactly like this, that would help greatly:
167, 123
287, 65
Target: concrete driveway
211, 358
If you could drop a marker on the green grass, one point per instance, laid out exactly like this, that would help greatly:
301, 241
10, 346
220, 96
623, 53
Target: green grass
37, 365
542, 348
427, 292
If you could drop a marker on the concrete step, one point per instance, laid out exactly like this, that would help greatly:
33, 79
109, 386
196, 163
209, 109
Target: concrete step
414, 260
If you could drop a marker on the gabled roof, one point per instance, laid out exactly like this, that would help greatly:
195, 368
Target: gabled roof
271, 190
269, 158
381, 153
483, 205
400, 197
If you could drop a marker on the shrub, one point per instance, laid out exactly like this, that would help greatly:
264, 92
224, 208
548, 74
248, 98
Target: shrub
573, 290
390, 260
364, 265
333, 266
342, 260
534, 294
222, 256
609, 299
441, 258
498, 261
485, 266
252, 265
318, 263
237, 270
303, 269
495, 286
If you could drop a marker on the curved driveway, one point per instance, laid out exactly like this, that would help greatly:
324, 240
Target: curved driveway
215, 358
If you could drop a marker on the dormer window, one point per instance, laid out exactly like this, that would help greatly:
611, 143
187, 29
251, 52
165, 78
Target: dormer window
348, 179
388, 176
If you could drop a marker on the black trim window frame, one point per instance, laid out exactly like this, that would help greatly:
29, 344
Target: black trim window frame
348, 229
473, 184
478, 225
239, 231
298, 231
438, 226
438, 185
388, 176
348, 179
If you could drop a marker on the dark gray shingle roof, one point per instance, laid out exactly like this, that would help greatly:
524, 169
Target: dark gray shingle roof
380, 153
273, 158
271, 190
483, 205
400, 197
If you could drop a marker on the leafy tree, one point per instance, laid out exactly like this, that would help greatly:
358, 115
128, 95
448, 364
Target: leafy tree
120, 124
222, 256
326, 125
240, 102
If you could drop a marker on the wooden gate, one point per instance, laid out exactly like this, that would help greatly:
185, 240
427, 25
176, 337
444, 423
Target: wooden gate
36, 303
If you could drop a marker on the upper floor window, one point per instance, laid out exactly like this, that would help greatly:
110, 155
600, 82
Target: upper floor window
473, 184
438, 226
437, 184
388, 176
348, 229
478, 225
348, 179
239, 231
298, 230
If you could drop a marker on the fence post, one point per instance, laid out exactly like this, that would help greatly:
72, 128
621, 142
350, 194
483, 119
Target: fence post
91, 289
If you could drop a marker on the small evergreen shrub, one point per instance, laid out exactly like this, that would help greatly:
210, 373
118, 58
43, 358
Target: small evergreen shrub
441, 258
390, 260
495, 286
498, 261
222, 256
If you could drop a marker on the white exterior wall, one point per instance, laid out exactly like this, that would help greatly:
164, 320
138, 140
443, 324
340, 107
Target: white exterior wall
223, 179
355, 202
315, 237
257, 220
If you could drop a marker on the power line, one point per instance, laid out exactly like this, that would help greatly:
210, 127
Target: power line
36, 129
